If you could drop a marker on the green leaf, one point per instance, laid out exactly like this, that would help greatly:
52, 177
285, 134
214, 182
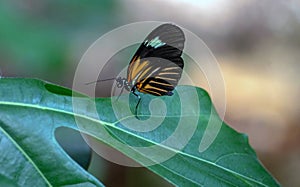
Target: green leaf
168, 142
30, 155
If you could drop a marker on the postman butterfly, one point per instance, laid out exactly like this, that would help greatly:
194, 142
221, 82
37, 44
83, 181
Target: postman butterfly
156, 67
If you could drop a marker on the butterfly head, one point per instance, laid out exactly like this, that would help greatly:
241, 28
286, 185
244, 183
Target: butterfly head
123, 83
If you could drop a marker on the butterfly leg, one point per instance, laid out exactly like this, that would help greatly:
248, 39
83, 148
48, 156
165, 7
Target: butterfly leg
120, 93
137, 105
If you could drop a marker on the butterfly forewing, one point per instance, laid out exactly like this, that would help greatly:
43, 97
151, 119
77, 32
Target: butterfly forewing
157, 65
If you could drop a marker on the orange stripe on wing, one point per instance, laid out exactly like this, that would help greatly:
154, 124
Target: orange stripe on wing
161, 83
150, 91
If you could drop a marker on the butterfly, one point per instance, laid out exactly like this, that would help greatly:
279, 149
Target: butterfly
156, 67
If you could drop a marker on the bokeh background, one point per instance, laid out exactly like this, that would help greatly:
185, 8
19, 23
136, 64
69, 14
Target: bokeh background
257, 44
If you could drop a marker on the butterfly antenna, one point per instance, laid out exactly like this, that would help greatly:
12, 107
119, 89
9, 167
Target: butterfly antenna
100, 81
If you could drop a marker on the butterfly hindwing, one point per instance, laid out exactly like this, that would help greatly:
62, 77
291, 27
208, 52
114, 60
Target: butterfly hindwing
157, 65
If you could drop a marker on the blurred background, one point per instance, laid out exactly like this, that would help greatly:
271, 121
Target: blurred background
256, 43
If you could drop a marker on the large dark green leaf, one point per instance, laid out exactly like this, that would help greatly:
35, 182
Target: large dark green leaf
30, 155
31, 110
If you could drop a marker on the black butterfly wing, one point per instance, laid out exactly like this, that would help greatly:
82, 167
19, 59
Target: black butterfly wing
157, 65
